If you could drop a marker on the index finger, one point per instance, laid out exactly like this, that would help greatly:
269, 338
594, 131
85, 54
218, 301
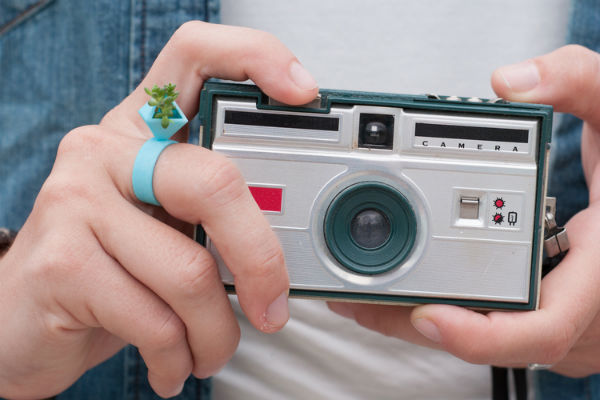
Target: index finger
567, 78
201, 187
198, 51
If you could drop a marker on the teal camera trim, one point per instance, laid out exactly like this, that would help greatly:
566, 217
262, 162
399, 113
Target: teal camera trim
365, 196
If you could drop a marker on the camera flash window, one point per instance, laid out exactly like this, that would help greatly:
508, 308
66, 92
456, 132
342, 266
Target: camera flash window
376, 131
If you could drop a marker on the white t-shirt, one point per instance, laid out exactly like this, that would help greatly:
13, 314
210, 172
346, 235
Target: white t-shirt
447, 47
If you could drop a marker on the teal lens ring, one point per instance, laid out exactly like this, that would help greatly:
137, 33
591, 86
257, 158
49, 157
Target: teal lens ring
370, 228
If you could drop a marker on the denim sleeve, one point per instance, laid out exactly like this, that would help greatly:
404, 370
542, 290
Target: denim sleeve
63, 64
567, 183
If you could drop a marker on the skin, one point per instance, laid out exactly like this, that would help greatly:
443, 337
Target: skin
93, 268
564, 331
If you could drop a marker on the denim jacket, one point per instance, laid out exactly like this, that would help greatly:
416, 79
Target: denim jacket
568, 185
63, 64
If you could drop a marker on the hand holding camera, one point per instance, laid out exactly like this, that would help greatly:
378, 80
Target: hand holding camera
92, 269
564, 331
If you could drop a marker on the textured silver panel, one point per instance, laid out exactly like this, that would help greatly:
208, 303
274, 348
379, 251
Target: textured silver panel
307, 272
470, 269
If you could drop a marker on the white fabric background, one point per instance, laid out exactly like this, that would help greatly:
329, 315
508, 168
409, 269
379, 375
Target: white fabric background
428, 46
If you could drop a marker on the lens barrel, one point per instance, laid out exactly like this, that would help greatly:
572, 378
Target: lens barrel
370, 228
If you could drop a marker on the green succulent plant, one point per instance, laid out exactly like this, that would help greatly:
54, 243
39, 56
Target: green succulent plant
162, 99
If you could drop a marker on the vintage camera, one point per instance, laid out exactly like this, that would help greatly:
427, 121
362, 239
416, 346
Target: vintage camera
393, 198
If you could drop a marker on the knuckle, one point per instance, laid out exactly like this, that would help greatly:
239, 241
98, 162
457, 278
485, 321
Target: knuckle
197, 276
57, 258
78, 148
577, 50
62, 189
583, 76
51, 267
261, 37
257, 46
79, 140
181, 36
587, 63
54, 325
223, 183
269, 261
169, 334
188, 29
185, 39
71, 142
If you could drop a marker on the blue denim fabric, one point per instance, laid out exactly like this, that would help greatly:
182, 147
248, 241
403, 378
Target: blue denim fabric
63, 64
567, 183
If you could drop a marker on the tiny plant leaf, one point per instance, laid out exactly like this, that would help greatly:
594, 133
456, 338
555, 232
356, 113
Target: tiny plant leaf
162, 99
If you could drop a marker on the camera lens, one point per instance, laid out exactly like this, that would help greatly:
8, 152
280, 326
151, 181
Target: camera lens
376, 131
370, 228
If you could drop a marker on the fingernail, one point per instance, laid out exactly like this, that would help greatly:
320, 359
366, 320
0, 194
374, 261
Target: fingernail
342, 309
277, 313
427, 329
301, 77
520, 77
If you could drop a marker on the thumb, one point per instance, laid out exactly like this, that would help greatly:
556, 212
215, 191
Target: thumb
567, 78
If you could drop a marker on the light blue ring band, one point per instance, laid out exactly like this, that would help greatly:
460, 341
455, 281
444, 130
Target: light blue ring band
143, 169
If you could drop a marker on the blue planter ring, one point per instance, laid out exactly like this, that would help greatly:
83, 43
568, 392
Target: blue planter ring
177, 121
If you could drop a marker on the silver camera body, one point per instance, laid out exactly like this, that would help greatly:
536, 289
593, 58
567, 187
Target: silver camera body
393, 198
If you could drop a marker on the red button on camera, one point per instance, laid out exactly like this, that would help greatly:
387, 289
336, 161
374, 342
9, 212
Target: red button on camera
268, 198
498, 218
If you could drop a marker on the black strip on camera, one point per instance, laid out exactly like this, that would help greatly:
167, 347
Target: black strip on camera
282, 120
472, 133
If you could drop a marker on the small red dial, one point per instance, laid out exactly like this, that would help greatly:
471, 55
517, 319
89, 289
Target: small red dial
498, 218
499, 202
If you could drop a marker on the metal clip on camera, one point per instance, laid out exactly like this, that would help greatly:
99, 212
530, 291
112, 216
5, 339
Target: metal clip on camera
556, 241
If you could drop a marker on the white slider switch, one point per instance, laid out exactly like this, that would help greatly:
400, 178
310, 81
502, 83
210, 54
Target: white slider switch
469, 207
